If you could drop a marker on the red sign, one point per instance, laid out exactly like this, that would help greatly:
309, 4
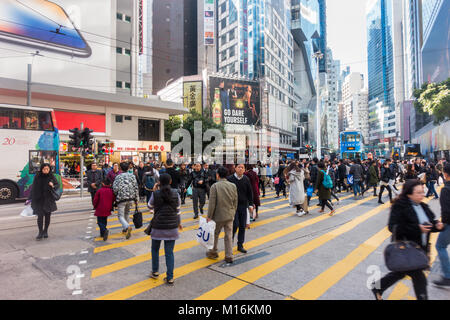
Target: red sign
69, 120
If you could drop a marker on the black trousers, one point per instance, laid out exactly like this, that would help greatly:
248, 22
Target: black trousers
240, 222
418, 278
41, 216
262, 187
381, 192
325, 202
93, 196
341, 184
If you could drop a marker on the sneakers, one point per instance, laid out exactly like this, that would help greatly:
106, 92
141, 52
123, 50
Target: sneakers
300, 213
105, 235
128, 234
241, 249
154, 275
332, 212
380, 202
196, 216
168, 282
443, 282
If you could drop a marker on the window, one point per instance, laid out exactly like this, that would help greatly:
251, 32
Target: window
119, 16
25, 119
148, 130
127, 117
118, 84
128, 51
223, 23
223, 7
223, 55
119, 50
39, 157
128, 18
119, 118
223, 39
231, 36
232, 51
127, 85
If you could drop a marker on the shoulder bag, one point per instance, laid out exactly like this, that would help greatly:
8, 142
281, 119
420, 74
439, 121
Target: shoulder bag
404, 256
137, 217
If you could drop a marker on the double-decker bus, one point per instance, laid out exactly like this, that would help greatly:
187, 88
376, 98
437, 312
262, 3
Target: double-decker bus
351, 145
28, 138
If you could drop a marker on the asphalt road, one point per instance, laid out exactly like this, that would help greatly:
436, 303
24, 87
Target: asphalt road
289, 257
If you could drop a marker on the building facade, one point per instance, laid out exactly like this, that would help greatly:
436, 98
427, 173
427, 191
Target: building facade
355, 104
332, 103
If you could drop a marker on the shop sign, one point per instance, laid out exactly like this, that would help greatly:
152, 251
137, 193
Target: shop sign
141, 146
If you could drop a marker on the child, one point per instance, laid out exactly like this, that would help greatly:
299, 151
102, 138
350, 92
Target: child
103, 204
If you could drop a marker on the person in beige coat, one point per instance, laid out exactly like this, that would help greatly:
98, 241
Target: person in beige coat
295, 176
223, 202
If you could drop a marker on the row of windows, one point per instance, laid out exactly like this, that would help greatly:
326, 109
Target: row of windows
285, 139
231, 53
123, 85
25, 119
123, 51
231, 37
123, 17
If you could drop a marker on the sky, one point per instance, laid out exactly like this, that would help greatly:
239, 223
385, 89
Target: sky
346, 33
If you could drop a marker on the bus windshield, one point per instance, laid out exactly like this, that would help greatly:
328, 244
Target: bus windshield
20, 119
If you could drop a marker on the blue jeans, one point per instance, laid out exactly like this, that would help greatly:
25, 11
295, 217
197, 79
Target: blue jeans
431, 189
356, 187
441, 247
168, 251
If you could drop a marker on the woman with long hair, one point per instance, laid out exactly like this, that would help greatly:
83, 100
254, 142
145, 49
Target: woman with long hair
254, 181
324, 193
165, 224
432, 178
410, 220
42, 198
295, 176
410, 172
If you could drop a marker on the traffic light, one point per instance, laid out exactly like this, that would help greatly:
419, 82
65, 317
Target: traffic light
101, 147
87, 140
75, 139
269, 151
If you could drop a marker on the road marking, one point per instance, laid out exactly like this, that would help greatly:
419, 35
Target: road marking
145, 285
76, 292
84, 252
83, 262
230, 287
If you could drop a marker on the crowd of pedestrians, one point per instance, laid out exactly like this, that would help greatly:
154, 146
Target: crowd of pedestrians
235, 192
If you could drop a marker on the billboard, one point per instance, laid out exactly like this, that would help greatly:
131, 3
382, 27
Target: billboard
235, 101
193, 93
209, 22
73, 38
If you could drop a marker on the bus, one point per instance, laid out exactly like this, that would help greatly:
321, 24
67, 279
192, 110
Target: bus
351, 145
29, 138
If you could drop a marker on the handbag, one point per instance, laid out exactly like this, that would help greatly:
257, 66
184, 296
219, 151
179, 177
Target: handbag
404, 256
137, 217
148, 230
56, 194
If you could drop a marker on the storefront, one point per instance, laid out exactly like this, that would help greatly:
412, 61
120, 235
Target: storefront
136, 151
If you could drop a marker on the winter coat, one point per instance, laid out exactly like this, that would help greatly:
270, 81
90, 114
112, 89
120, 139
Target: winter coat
112, 175
373, 177
254, 181
357, 171
342, 171
404, 218
166, 215
41, 196
94, 177
197, 176
296, 187
324, 193
175, 175
125, 187
223, 201
103, 201
184, 177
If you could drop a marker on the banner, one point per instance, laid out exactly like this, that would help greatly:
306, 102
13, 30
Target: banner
193, 93
209, 23
235, 101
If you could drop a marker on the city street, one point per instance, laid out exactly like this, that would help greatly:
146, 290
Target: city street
316, 256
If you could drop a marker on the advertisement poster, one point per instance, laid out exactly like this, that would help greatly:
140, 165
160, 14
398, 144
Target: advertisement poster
235, 101
193, 93
209, 23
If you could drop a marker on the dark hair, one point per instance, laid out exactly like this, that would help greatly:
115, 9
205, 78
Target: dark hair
222, 172
447, 169
408, 188
169, 162
124, 166
45, 165
166, 191
315, 160
106, 182
321, 165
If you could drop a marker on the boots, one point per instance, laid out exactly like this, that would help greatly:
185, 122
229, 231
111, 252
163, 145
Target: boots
40, 235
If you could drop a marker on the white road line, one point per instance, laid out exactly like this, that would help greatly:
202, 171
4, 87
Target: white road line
83, 252
77, 292
82, 262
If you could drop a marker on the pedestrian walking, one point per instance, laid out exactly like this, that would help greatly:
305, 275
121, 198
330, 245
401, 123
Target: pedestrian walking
342, 176
223, 204
295, 176
444, 237
104, 203
281, 185
126, 189
166, 222
385, 177
245, 202
198, 179
332, 172
411, 220
184, 177
42, 198
94, 180
150, 178
112, 174
262, 178
432, 176
324, 191
393, 169
269, 176
358, 175
440, 170
373, 178
210, 176
254, 181
174, 174
410, 172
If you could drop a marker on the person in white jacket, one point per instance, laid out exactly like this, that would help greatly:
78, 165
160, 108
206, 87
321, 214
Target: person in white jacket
295, 176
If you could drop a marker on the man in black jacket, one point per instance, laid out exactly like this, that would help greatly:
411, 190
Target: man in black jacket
174, 174
210, 175
198, 181
245, 200
94, 180
444, 237
342, 175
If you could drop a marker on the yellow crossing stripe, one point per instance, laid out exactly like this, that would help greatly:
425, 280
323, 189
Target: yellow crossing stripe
230, 287
145, 285
319, 285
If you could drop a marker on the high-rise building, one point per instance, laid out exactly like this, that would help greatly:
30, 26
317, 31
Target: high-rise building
323, 35
385, 73
254, 41
171, 42
331, 105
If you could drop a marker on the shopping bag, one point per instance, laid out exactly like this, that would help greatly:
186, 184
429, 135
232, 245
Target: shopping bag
350, 179
137, 218
310, 191
27, 211
276, 180
205, 233
189, 191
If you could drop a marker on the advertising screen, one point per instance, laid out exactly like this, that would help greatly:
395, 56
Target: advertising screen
73, 39
193, 93
235, 101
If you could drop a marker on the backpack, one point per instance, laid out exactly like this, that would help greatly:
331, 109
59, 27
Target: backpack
149, 182
327, 182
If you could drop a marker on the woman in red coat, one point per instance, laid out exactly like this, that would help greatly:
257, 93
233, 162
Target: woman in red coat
103, 204
254, 180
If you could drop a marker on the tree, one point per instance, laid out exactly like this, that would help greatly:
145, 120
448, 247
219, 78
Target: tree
434, 99
187, 123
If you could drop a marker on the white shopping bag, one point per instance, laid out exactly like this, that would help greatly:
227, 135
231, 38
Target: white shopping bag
27, 212
205, 233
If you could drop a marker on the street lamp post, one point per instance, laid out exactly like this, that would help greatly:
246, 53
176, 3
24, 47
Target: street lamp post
318, 55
